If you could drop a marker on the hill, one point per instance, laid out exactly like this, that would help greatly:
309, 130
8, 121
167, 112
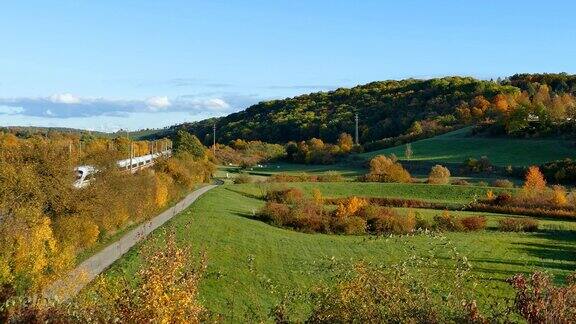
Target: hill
385, 108
458, 145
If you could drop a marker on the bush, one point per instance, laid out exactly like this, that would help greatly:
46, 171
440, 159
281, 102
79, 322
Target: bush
352, 225
285, 177
538, 300
477, 165
474, 223
446, 222
423, 224
439, 175
460, 182
243, 178
284, 195
276, 213
307, 216
387, 169
387, 221
510, 224
502, 199
331, 176
503, 183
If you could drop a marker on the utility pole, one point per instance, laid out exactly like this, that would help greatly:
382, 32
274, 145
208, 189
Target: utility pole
356, 132
214, 140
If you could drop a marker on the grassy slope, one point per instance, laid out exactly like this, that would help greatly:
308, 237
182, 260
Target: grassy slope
252, 263
433, 193
458, 145
294, 168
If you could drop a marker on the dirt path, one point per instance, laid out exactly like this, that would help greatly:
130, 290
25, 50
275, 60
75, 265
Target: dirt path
84, 273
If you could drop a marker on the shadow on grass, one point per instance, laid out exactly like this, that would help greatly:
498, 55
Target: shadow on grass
559, 246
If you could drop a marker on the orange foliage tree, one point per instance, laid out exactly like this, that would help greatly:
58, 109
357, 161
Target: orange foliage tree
535, 182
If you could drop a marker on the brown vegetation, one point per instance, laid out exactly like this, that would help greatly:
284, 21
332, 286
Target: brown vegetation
439, 175
510, 224
46, 222
386, 169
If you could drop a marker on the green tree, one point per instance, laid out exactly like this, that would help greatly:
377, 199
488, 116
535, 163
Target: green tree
186, 142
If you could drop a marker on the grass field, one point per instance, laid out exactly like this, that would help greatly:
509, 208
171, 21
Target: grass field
458, 145
251, 264
292, 168
433, 193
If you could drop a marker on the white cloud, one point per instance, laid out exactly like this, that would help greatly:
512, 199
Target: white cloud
65, 98
158, 103
217, 104
49, 112
10, 110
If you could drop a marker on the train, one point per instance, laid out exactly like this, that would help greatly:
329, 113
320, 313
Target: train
85, 173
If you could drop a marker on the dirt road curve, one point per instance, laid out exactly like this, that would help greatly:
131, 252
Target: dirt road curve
72, 283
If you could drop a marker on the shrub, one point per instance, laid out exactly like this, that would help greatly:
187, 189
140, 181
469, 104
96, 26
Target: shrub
276, 213
502, 199
539, 301
473, 223
423, 224
350, 207
439, 175
510, 224
308, 216
502, 183
243, 178
352, 225
331, 176
559, 196
387, 221
284, 195
477, 165
560, 171
387, 169
460, 182
446, 222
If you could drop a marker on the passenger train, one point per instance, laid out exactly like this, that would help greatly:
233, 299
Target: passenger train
85, 173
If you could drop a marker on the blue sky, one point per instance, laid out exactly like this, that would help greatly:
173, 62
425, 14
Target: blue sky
105, 65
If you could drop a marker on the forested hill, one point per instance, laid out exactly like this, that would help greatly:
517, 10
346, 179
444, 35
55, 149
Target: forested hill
385, 108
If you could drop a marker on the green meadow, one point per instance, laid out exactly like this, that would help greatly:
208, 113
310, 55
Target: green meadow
458, 145
252, 265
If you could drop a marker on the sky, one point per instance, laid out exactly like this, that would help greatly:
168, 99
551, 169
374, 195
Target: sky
132, 64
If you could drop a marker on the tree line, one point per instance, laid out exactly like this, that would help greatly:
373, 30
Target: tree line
45, 223
388, 109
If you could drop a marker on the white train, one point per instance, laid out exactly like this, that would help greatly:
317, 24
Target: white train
85, 173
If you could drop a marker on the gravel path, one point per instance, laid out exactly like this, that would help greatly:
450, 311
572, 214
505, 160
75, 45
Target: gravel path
84, 273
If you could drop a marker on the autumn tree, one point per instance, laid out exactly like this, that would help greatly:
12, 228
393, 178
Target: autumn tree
387, 169
345, 142
535, 182
439, 175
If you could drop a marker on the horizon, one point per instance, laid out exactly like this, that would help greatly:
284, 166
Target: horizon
179, 61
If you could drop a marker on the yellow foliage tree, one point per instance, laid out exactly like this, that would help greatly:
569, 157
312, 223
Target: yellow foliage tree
559, 196
345, 142
350, 207
535, 182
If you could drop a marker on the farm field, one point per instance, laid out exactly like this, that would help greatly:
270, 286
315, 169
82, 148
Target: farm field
456, 146
252, 265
